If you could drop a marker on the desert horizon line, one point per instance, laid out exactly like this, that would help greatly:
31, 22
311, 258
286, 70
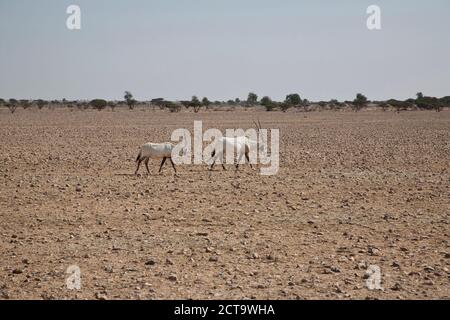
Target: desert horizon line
212, 100
293, 100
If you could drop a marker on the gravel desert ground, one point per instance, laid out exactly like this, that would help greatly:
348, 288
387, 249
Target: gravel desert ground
353, 190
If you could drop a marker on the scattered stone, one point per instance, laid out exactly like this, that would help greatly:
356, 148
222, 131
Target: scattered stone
396, 287
4, 294
361, 265
373, 251
335, 269
271, 257
337, 289
101, 296
173, 277
150, 262
213, 259
203, 234
109, 269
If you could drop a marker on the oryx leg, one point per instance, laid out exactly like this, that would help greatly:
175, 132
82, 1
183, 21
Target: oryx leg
239, 160
247, 151
138, 165
162, 163
248, 159
146, 165
213, 156
173, 165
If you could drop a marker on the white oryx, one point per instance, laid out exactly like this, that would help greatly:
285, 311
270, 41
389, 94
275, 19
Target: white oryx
156, 151
242, 144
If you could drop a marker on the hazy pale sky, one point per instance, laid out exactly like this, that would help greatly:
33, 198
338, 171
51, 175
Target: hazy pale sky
223, 49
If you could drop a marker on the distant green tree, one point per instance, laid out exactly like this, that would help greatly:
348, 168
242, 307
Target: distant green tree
196, 104
334, 104
40, 103
445, 101
25, 103
428, 103
399, 105
411, 101
293, 99
360, 102
172, 106
12, 105
129, 100
206, 102
158, 102
268, 103
186, 103
266, 100
98, 104
252, 99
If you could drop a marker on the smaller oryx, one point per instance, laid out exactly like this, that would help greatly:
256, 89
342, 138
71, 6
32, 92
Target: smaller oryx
242, 144
156, 151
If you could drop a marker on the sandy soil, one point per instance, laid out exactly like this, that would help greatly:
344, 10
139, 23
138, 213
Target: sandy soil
353, 190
